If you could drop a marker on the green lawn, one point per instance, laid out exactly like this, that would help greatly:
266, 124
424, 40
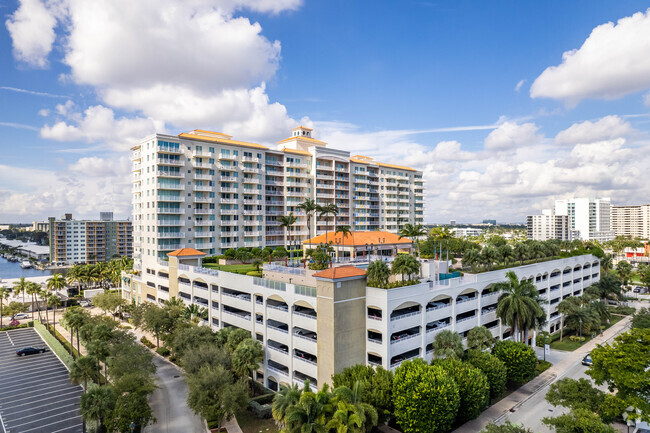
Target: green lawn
237, 269
570, 346
250, 424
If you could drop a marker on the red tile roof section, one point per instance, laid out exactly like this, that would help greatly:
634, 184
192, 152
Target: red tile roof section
359, 238
183, 252
340, 272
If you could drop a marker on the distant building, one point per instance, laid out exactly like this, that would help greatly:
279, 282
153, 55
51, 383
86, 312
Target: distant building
88, 241
41, 226
491, 222
590, 218
467, 231
547, 226
631, 221
452, 222
28, 249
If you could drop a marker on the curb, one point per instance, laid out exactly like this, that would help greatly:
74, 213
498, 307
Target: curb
517, 405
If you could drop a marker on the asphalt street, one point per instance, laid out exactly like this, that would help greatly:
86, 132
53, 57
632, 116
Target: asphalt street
36, 395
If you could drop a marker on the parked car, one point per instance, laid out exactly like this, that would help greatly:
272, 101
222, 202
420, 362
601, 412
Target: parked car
637, 289
587, 360
30, 351
20, 316
84, 303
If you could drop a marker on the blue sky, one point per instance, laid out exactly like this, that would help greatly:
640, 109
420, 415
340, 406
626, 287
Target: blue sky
384, 78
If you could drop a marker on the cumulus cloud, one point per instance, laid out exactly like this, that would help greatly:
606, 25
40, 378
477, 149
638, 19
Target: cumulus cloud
612, 62
588, 132
98, 125
511, 134
32, 32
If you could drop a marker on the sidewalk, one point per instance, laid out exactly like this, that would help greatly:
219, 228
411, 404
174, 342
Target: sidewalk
501, 408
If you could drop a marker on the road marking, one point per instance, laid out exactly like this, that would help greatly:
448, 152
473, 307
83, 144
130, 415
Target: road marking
51, 416
52, 379
58, 422
49, 403
12, 343
4, 430
67, 429
49, 399
27, 398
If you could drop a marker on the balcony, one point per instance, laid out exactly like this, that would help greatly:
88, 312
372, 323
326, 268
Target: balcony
227, 189
173, 174
168, 235
202, 176
227, 179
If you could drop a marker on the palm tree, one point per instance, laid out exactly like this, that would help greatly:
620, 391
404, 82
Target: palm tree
5, 292
20, 286
609, 287
310, 207
345, 231
74, 276
505, 254
75, 317
287, 221
33, 289
471, 258
247, 357
83, 369
405, 264
43, 294
441, 233
54, 301
606, 262
519, 305
520, 252
413, 231
583, 317
351, 414
56, 282
378, 273
537, 251
328, 209
447, 344
311, 412
285, 398
489, 255
565, 308
97, 405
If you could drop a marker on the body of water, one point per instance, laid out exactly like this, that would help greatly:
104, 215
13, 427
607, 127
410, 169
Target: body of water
13, 270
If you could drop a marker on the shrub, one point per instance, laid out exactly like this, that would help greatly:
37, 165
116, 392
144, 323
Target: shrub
18, 326
144, 340
641, 319
493, 368
519, 359
262, 411
473, 387
163, 351
541, 337
577, 339
426, 398
622, 310
542, 366
377, 386
254, 273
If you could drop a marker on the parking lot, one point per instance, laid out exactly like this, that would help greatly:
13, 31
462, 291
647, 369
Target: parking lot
36, 395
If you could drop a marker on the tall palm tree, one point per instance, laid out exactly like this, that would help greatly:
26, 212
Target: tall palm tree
284, 399
448, 344
54, 302
33, 289
5, 292
287, 221
441, 233
328, 209
83, 369
471, 258
43, 294
609, 287
519, 305
413, 231
351, 414
20, 286
345, 232
97, 405
489, 255
505, 254
520, 252
76, 318
311, 412
565, 308
606, 262
537, 250
378, 273
56, 282
310, 207
405, 264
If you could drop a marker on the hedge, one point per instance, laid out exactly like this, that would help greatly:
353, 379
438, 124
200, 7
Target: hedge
24, 325
260, 410
520, 360
144, 340
54, 344
163, 351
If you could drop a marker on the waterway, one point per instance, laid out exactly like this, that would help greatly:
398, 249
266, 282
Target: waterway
13, 270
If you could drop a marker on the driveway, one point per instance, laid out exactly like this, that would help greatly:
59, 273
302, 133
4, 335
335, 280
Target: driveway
169, 402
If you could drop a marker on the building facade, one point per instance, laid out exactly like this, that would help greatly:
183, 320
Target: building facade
206, 191
631, 221
313, 324
547, 226
89, 241
589, 218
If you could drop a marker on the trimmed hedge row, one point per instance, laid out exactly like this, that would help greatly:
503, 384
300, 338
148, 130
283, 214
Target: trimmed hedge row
24, 325
54, 344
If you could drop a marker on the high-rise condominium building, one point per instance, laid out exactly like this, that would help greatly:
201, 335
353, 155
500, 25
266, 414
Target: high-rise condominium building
547, 226
206, 191
589, 218
88, 241
631, 221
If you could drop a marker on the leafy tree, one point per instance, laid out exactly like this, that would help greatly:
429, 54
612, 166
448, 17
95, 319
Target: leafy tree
230, 253
15, 308
207, 354
157, 321
493, 368
4, 295
519, 305
473, 387
479, 338
578, 421
184, 339
426, 398
280, 252
377, 273
377, 386
623, 366
131, 408
448, 344
109, 302
97, 406
641, 319
247, 357
624, 270
506, 427
520, 360
214, 395
581, 394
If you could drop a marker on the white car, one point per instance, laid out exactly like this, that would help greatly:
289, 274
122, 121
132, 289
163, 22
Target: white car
84, 303
20, 316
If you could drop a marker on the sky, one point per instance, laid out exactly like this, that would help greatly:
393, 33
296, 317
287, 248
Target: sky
504, 105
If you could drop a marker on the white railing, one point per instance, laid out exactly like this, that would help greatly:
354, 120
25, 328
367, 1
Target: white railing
403, 316
277, 349
305, 359
374, 318
237, 315
438, 307
309, 316
407, 337
284, 331
277, 370
313, 340
465, 319
276, 307
374, 340
438, 328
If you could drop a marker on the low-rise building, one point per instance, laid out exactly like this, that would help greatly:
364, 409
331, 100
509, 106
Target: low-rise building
313, 324
463, 232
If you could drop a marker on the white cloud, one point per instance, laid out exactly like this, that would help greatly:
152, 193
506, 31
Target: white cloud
32, 31
588, 132
612, 62
510, 135
519, 85
99, 125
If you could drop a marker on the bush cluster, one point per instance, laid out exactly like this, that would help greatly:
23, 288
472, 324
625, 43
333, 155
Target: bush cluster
493, 368
144, 340
519, 359
163, 351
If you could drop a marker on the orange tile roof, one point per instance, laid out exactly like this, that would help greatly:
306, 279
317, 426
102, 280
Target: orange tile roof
399, 167
302, 137
359, 238
184, 252
361, 161
212, 132
302, 127
340, 272
299, 152
221, 140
